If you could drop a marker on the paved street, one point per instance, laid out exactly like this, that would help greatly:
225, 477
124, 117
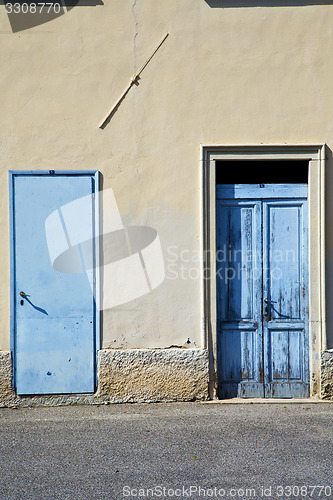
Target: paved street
178, 450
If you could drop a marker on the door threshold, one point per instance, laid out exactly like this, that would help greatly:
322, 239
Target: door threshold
268, 401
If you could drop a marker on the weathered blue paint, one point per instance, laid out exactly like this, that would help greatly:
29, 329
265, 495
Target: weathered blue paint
285, 288
239, 308
55, 332
262, 291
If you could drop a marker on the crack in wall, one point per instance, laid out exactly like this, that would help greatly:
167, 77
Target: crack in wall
136, 32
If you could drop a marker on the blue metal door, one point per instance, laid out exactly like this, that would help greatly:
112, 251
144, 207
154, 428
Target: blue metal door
53, 313
262, 291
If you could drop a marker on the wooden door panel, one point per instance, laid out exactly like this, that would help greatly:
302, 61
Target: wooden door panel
285, 290
239, 276
238, 350
283, 258
286, 354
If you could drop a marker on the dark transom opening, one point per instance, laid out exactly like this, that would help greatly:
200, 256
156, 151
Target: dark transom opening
261, 171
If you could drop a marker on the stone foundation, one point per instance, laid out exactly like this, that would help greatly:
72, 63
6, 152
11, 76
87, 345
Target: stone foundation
151, 375
141, 375
327, 375
6, 392
135, 375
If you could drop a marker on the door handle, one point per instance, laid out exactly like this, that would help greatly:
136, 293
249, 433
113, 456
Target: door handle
268, 308
24, 294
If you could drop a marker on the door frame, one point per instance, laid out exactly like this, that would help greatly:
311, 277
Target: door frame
97, 320
315, 155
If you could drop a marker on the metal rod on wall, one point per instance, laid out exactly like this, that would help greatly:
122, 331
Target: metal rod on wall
132, 82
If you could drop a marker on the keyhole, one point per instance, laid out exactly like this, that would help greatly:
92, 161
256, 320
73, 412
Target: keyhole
267, 314
22, 302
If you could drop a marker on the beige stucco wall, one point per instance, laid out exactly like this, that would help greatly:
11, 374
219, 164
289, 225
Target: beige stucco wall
223, 76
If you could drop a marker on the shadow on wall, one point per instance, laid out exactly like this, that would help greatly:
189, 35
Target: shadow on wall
224, 4
26, 15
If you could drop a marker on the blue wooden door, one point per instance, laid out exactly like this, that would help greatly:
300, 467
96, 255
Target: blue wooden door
240, 345
285, 295
262, 291
53, 313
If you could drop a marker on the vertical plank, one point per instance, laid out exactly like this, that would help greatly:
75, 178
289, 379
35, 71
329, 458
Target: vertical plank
286, 292
284, 261
239, 280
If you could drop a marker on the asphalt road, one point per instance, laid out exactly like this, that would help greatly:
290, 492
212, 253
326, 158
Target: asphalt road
178, 450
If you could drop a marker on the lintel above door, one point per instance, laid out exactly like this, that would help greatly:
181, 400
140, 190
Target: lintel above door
257, 191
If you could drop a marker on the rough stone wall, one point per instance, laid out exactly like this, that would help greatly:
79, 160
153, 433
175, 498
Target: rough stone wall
6, 392
138, 375
327, 374
154, 374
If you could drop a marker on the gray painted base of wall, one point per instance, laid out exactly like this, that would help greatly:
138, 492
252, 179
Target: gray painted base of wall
136, 375
327, 375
